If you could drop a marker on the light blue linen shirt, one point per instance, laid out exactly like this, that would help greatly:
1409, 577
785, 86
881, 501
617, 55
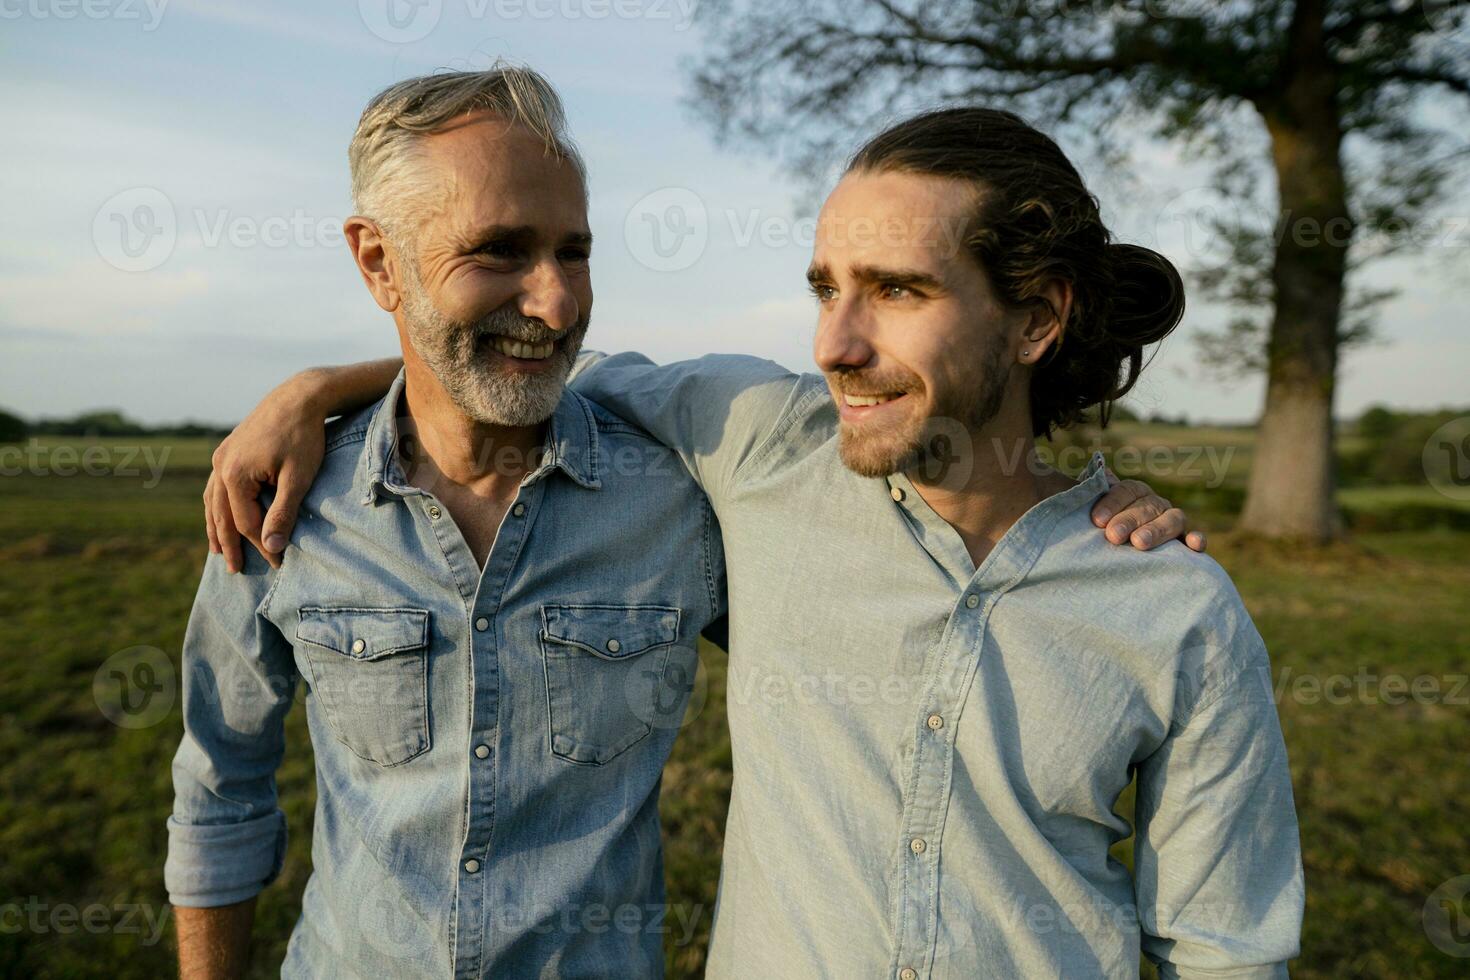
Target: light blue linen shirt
927, 755
488, 743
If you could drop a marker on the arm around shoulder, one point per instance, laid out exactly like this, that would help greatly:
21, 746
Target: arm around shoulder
714, 411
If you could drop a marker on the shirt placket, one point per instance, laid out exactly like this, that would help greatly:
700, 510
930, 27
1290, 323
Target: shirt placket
929, 781
484, 597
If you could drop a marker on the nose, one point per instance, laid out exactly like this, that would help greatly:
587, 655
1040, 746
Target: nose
546, 295
842, 338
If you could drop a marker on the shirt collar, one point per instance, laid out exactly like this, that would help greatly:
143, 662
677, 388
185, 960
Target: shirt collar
572, 442
572, 446
1019, 547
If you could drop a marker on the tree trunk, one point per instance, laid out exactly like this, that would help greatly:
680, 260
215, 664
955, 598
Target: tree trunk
1291, 493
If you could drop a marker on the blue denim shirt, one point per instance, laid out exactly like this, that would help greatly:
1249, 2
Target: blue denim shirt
928, 755
488, 743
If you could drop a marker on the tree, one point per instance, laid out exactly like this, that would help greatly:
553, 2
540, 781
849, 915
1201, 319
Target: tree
13, 428
1335, 89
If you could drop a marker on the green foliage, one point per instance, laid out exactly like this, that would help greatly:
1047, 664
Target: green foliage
1389, 447
101, 422
1378, 423
111, 423
13, 428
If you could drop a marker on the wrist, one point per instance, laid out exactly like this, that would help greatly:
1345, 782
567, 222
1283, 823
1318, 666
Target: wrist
311, 390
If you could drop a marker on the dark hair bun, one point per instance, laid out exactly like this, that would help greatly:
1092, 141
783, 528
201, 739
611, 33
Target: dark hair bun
1147, 296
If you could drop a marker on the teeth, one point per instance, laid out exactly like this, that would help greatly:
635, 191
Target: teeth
523, 350
864, 401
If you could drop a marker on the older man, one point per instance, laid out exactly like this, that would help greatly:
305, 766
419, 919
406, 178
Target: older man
494, 597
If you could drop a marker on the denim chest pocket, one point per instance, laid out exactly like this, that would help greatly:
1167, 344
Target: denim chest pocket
605, 667
370, 669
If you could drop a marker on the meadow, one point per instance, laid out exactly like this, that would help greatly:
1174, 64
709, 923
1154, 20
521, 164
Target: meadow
1368, 638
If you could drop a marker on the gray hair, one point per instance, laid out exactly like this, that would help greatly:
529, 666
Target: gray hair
388, 181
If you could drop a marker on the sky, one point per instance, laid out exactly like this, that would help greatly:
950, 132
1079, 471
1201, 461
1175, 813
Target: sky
175, 180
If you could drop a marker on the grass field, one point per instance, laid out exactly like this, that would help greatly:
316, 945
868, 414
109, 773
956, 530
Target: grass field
91, 565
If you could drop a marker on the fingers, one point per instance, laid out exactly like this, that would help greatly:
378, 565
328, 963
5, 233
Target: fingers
290, 489
1131, 512
1132, 526
1117, 500
242, 494
224, 528
1166, 527
1125, 508
208, 517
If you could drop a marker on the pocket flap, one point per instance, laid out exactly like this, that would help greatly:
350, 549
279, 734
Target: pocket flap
364, 634
612, 632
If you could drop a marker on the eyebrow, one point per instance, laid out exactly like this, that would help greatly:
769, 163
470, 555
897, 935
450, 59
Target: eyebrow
873, 273
524, 233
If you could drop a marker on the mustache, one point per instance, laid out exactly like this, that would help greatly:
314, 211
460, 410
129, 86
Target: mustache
854, 382
514, 325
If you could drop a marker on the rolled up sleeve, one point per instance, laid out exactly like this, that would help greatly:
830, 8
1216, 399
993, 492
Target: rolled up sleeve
1218, 858
227, 836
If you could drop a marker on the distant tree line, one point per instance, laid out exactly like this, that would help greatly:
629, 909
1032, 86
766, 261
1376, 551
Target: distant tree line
103, 422
1389, 448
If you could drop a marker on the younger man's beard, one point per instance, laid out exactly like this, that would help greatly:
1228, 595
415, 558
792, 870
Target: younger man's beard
460, 355
938, 445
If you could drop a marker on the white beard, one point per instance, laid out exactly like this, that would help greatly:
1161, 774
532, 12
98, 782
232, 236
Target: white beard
459, 355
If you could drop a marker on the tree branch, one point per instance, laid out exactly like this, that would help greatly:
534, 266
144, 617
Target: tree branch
1413, 75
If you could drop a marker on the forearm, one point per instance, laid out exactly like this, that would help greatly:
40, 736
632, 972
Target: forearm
214, 943
1264, 971
345, 388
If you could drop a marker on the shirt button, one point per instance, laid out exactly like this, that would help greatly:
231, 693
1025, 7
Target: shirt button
613, 646
472, 865
358, 646
972, 600
519, 510
935, 723
482, 624
908, 973
434, 512
917, 845
482, 751
897, 494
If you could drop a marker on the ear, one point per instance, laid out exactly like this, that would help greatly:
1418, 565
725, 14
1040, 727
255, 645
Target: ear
377, 260
1046, 322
